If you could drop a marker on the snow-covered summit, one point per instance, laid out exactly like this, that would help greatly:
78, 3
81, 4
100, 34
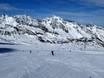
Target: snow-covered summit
52, 29
7, 20
53, 19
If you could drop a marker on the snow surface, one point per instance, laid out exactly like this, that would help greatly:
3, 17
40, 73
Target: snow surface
69, 61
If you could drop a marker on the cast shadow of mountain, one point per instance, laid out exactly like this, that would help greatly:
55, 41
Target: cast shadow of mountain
7, 50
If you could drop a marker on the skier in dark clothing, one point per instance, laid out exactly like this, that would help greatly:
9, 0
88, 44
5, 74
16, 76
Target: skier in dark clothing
52, 52
30, 51
90, 77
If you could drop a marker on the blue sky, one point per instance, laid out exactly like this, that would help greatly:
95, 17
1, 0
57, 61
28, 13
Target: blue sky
84, 11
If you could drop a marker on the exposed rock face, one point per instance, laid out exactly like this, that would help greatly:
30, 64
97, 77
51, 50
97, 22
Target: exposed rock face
51, 29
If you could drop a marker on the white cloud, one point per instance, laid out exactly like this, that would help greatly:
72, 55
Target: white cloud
99, 3
96, 17
6, 6
72, 13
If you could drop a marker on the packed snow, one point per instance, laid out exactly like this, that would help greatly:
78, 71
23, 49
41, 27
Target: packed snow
37, 61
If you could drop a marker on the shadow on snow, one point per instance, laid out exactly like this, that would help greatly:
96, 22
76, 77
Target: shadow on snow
7, 44
6, 50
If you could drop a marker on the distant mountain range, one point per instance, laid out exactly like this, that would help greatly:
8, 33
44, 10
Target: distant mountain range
54, 29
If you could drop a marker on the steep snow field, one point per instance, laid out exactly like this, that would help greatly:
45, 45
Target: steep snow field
36, 61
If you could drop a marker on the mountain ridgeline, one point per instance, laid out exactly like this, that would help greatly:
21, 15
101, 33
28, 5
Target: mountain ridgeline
52, 29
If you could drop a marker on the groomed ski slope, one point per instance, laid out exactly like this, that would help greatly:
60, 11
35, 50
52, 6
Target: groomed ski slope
69, 61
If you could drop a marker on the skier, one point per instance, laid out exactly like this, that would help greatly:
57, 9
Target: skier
90, 77
30, 51
70, 50
52, 52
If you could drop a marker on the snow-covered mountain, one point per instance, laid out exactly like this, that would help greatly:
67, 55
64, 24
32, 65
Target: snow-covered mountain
51, 29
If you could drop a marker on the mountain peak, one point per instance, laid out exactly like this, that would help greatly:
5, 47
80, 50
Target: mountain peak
54, 18
51, 29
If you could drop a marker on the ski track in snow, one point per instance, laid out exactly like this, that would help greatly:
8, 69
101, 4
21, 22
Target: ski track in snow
41, 64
